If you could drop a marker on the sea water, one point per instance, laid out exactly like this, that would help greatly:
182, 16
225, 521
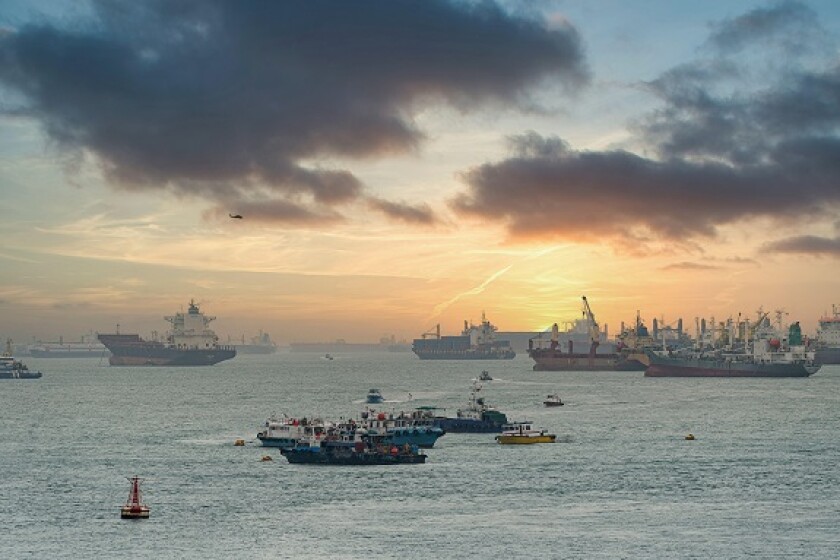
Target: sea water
762, 478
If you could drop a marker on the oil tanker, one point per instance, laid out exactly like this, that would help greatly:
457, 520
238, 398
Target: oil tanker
476, 342
189, 343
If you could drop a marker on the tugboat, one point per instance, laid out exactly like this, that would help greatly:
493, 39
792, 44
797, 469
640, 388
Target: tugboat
374, 397
134, 508
362, 449
553, 400
523, 433
10, 368
485, 376
477, 418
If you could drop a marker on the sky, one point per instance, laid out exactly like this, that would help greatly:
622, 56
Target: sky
402, 164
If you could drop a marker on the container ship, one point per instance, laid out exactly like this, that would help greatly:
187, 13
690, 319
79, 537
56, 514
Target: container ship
624, 357
189, 343
828, 338
768, 354
476, 342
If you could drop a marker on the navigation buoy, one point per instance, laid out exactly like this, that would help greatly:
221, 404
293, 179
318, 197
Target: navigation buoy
690, 437
134, 508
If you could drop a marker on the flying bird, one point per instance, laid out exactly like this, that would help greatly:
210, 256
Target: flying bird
237, 216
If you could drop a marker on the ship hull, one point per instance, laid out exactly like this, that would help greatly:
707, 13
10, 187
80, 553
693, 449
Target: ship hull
467, 426
827, 356
525, 440
465, 355
21, 375
131, 350
305, 456
672, 367
554, 360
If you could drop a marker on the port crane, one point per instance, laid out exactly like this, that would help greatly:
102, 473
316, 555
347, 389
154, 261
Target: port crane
594, 332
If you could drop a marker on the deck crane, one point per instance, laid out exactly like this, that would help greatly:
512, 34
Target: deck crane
594, 332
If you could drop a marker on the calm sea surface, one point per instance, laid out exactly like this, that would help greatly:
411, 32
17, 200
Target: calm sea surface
761, 480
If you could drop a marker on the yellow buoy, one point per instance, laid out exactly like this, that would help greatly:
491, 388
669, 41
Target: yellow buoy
689, 437
266, 458
239, 443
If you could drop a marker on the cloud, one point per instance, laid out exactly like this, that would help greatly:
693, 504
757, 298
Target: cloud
724, 150
806, 245
235, 100
688, 265
767, 25
412, 214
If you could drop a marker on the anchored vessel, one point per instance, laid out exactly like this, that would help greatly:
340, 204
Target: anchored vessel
553, 358
134, 508
10, 368
87, 347
189, 343
771, 355
553, 400
260, 344
476, 342
828, 338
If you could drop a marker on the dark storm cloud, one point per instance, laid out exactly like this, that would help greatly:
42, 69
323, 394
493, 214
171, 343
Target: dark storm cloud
726, 153
411, 214
806, 245
221, 98
771, 24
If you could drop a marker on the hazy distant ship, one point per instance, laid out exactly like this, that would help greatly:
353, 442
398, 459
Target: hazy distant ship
476, 342
189, 343
828, 338
87, 347
260, 344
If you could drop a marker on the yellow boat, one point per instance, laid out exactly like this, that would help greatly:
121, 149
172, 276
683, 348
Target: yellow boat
523, 433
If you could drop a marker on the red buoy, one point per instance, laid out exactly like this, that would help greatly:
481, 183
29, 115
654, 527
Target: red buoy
134, 508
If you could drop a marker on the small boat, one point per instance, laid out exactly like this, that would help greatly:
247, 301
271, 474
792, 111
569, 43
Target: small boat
286, 431
374, 397
523, 433
328, 357
553, 400
134, 508
11, 368
485, 376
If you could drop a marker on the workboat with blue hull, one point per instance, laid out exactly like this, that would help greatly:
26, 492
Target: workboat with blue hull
402, 429
357, 449
476, 342
10, 368
189, 343
771, 355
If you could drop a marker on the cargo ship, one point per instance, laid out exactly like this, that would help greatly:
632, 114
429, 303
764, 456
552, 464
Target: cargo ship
553, 358
828, 338
189, 343
260, 344
476, 342
87, 347
770, 355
